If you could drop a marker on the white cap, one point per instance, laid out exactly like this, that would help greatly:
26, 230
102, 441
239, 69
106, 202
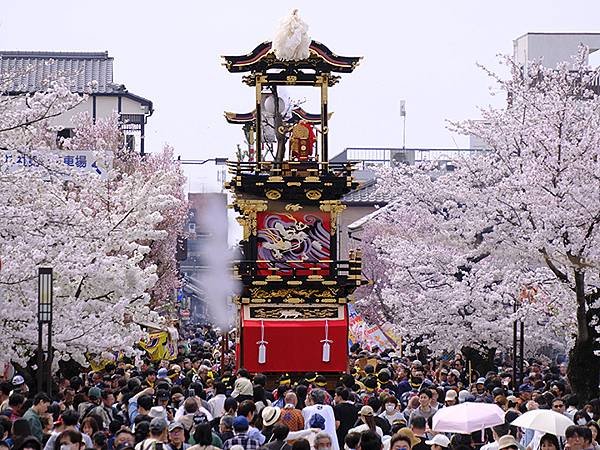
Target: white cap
17, 380
158, 412
439, 439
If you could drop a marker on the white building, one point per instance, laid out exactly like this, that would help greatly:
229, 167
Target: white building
86, 73
552, 48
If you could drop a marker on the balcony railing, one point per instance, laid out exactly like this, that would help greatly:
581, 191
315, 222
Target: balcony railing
300, 269
292, 168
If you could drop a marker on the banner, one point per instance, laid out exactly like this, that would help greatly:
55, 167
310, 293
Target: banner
356, 327
159, 346
99, 362
388, 330
371, 335
375, 337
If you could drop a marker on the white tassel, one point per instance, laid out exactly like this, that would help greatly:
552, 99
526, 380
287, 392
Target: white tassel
262, 348
326, 344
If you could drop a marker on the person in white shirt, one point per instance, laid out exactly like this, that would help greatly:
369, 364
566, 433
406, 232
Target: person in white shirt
391, 412
366, 415
497, 432
318, 415
217, 403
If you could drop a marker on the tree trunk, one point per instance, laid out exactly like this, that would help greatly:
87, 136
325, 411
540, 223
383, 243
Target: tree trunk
481, 360
279, 129
583, 371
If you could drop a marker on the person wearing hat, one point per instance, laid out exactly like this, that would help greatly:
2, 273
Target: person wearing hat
385, 380
162, 398
85, 408
240, 428
242, 388
158, 412
451, 398
163, 375
270, 415
158, 435
438, 442
177, 437
407, 433
320, 382
481, 393
19, 385
367, 416
508, 442
105, 409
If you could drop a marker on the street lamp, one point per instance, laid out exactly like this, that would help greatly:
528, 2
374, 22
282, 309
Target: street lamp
45, 295
199, 162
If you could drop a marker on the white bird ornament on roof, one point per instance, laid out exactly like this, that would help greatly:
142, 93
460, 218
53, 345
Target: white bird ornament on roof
291, 42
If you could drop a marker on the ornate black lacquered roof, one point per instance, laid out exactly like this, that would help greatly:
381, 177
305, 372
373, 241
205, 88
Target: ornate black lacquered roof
297, 115
321, 60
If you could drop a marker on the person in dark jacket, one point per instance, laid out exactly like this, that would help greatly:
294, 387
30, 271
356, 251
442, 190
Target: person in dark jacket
280, 433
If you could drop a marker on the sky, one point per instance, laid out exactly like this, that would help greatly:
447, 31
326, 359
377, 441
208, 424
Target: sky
423, 52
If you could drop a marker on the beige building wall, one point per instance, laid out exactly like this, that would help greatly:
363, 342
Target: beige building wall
105, 106
349, 215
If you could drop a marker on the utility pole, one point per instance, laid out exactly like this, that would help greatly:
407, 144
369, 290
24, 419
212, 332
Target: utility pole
403, 115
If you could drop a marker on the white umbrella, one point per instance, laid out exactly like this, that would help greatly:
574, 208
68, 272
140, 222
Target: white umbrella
544, 420
467, 418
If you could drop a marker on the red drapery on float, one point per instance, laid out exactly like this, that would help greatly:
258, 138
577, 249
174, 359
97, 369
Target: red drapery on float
294, 345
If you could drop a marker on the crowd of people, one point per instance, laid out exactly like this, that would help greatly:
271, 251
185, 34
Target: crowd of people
385, 402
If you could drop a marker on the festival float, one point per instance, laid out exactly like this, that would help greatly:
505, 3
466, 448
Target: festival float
292, 308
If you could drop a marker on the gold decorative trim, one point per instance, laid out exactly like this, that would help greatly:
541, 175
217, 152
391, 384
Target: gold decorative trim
287, 313
291, 295
293, 207
273, 194
249, 208
313, 194
334, 208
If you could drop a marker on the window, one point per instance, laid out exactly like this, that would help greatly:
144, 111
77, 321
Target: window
63, 134
130, 142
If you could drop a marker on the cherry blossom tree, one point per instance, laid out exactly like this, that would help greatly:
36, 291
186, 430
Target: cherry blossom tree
105, 134
108, 238
515, 225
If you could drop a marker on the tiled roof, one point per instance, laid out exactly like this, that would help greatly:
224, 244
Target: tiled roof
36, 69
367, 195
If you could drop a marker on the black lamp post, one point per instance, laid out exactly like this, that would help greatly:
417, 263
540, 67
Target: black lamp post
518, 348
45, 318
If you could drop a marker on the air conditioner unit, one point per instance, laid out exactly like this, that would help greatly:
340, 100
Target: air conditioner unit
402, 156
